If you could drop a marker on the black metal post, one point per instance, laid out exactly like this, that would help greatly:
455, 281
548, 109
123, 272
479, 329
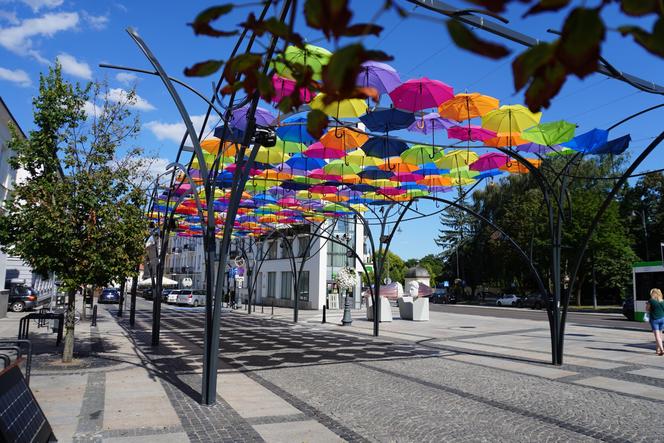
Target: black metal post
122, 297
324, 314
94, 316
347, 319
132, 301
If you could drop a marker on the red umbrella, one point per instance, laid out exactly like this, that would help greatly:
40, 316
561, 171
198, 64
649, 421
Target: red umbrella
421, 93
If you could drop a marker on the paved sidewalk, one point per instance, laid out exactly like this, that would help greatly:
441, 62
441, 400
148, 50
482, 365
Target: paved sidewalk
454, 378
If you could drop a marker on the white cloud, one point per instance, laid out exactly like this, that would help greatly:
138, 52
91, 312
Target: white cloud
19, 38
137, 102
91, 109
174, 131
36, 5
74, 67
17, 76
126, 78
9, 17
97, 22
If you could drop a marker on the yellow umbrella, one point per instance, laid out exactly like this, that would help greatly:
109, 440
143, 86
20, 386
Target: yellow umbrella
271, 155
456, 158
349, 108
358, 157
510, 118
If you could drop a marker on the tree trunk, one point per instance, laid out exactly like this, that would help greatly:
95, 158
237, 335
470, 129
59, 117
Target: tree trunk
68, 350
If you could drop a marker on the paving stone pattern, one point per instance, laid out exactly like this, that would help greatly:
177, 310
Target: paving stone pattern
365, 389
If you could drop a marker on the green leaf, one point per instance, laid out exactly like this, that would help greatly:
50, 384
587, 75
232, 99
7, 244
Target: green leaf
653, 42
332, 17
466, 39
275, 27
340, 74
362, 29
201, 23
638, 8
203, 69
579, 44
525, 65
546, 83
546, 6
317, 121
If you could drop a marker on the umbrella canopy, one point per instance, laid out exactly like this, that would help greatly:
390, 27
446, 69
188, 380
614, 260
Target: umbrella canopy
303, 163
488, 161
339, 167
373, 173
384, 78
290, 147
588, 141
271, 155
313, 56
466, 106
470, 133
343, 138
421, 154
317, 150
421, 93
349, 108
429, 123
384, 147
385, 120
294, 129
549, 134
284, 87
615, 146
456, 158
239, 117
510, 118
358, 157
435, 180
505, 139
535, 148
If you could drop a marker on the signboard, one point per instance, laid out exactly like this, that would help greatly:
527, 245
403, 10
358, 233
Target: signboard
21, 418
238, 281
187, 282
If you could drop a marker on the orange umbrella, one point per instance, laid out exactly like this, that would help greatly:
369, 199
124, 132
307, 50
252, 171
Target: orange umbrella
273, 174
505, 139
514, 167
467, 106
396, 164
435, 180
343, 138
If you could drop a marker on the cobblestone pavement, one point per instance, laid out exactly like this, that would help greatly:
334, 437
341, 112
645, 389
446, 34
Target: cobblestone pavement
365, 389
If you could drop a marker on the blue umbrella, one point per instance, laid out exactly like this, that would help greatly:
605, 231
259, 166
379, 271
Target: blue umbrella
431, 169
615, 146
363, 187
588, 141
234, 135
264, 198
412, 186
384, 120
383, 147
295, 133
299, 161
488, 173
374, 173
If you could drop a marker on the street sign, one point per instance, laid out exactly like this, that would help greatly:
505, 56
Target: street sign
187, 282
238, 281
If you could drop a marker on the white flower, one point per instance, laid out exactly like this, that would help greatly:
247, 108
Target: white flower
346, 278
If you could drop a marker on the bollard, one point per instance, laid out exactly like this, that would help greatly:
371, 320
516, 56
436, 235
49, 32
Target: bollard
262, 305
94, 316
272, 307
324, 311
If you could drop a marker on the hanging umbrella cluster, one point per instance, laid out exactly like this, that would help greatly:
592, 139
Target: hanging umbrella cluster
363, 161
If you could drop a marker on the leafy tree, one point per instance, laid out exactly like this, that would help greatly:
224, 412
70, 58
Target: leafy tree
643, 207
395, 268
78, 213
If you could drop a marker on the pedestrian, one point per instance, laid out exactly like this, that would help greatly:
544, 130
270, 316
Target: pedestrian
655, 307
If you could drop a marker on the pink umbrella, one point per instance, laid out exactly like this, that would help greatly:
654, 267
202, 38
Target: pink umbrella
492, 160
391, 191
320, 174
182, 188
421, 93
406, 177
288, 201
470, 133
284, 87
317, 150
233, 166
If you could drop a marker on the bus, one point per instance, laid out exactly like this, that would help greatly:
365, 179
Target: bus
645, 276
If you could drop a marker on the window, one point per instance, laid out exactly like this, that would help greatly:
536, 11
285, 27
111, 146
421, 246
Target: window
272, 250
271, 284
286, 285
302, 243
304, 286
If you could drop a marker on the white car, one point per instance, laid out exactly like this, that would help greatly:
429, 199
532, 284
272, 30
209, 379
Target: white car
507, 300
173, 297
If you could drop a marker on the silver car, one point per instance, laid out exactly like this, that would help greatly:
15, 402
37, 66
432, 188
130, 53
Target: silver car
191, 297
173, 297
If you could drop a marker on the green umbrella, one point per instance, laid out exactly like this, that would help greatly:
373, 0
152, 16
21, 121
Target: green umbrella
313, 56
290, 147
550, 134
421, 154
563, 151
339, 167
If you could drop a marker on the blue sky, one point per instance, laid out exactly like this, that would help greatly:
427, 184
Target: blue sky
85, 33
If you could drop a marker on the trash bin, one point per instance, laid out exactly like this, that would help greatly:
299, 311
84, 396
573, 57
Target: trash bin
4, 302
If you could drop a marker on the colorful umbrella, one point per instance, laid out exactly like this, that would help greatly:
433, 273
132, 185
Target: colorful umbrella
384, 78
343, 138
317, 150
505, 139
466, 106
349, 108
429, 123
456, 158
510, 118
421, 154
271, 155
384, 147
423, 93
239, 117
470, 133
284, 87
300, 162
294, 129
385, 120
358, 157
549, 134
488, 161
588, 141
616, 146
312, 56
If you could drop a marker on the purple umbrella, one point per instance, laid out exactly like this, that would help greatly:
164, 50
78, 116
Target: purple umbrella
470, 133
239, 118
430, 122
378, 75
535, 148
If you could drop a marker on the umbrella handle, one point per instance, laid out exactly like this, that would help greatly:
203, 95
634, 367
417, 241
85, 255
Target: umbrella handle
420, 123
337, 133
437, 204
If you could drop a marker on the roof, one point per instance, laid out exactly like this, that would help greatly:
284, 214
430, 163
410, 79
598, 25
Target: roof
4, 105
417, 272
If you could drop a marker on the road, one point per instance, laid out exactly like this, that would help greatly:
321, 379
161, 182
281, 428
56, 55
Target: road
613, 321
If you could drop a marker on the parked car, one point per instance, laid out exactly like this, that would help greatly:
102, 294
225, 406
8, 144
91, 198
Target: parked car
172, 296
147, 294
508, 300
164, 295
24, 297
442, 295
109, 295
628, 308
191, 297
535, 301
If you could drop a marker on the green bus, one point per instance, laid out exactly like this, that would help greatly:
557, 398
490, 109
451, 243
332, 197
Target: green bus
645, 276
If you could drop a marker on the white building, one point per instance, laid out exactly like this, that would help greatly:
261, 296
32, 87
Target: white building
14, 267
